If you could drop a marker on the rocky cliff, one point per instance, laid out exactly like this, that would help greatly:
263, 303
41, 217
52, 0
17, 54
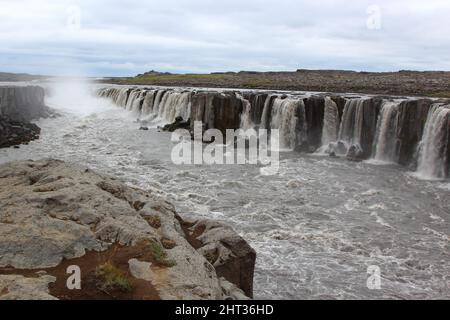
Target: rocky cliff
19, 106
389, 129
128, 243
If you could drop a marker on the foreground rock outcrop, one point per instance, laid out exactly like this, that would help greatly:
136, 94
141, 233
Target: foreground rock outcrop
19, 106
128, 243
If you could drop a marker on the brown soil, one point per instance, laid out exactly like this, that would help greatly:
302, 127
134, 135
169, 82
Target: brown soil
91, 283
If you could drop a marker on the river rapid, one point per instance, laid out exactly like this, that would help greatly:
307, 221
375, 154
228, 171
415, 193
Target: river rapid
316, 226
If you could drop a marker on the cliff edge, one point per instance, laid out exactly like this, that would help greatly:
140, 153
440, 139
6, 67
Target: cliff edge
127, 243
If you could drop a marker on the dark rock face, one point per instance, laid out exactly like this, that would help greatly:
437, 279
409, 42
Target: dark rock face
23, 103
18, 106
411, 122
340, 102
220, 111
371, 111
178, 124
314, 110
13, 133
257, 101
231, 255
355, 153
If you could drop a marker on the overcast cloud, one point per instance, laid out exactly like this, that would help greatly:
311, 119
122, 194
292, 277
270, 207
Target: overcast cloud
111, 37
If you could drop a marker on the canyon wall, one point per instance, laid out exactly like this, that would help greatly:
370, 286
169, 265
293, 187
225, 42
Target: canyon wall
22, 103
18, 106
410, 132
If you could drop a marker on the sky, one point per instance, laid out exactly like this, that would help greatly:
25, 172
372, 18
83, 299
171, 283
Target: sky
124, 38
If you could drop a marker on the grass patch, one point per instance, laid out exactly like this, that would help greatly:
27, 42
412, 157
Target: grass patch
113, 277
444, 94
160, 254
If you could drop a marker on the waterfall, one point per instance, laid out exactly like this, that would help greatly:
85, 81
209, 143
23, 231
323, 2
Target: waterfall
131, 99
159, 101
386, 142
330, 122
136, 106
147, 105
123, 97
352, 122
175, 104
288, 116
435, 144
246, 118
266, 113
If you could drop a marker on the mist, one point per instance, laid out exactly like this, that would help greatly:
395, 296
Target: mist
75, 95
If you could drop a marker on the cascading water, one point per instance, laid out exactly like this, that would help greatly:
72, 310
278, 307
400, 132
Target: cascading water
133, 96
386, 142
435, 144
175, 105
150, 104
123, 97
147, 105
366, 127
266, 113
352, 122
330, 122
246, 119
288, 116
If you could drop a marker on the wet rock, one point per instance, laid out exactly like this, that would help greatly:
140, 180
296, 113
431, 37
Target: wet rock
216, 110
14, 133
355, 153
314, 110
178, 124
230, 254
257, 101
18, 106
411, 122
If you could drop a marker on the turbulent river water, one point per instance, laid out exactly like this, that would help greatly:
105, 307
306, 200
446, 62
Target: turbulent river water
316, 226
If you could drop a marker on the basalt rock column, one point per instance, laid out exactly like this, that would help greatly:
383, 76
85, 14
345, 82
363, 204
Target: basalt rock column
411, 122
220, 111
314, 110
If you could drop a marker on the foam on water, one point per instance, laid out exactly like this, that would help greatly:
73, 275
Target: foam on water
316, 226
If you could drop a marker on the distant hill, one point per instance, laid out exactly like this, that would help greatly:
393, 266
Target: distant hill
404, 82
12, 77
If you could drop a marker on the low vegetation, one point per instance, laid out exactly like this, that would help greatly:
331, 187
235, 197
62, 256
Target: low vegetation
160, 255
113, 277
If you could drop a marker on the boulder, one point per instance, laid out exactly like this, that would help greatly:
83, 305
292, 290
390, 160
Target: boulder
13, 133
230, 254
178, 124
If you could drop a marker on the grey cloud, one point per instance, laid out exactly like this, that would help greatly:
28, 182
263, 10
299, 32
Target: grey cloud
118, 38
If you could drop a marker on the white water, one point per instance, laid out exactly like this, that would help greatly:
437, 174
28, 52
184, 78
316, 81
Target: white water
246, 118
435, 142
288, 116
330, 122
162, 106
352, 122
316, 226
266, 113
386, 140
